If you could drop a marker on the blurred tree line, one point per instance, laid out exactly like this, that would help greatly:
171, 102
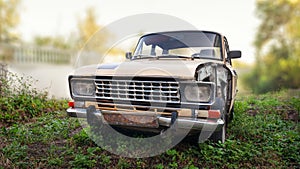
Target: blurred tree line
85, 36
88, 37
9, 19
277, 44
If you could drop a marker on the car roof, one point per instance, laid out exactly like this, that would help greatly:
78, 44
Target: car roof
180, 41
181, 31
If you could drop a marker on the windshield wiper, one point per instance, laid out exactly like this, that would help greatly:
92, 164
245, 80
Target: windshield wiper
174, 56
143, 56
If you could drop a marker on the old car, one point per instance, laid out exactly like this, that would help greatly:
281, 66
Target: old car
182, 77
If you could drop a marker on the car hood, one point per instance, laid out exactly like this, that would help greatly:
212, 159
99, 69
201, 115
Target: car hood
175, 68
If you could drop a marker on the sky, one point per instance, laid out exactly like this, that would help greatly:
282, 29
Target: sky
233, 18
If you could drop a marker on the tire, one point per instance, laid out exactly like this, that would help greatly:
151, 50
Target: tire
231, 116
219, 135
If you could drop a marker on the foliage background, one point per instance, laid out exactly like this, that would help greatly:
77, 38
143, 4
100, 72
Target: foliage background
277, 46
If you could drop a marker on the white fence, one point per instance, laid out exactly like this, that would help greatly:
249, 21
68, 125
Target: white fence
29, 54
32, 55
42, 55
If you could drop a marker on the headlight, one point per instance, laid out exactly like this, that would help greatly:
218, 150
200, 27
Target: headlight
197, 92
82, 87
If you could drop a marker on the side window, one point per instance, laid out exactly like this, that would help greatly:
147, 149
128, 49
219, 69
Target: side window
150, 50
158, 50
146, 50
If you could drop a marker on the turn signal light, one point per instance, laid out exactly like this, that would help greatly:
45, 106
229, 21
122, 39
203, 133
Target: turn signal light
214, 114
71, 104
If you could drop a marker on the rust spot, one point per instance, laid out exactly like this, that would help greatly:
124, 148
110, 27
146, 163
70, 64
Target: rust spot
131, 120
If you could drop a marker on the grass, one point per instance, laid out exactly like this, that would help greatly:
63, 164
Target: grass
264, 134
21, 102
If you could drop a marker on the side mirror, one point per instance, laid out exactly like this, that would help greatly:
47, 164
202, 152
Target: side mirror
128, 55
234, 54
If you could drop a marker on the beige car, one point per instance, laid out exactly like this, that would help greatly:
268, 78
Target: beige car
179, 77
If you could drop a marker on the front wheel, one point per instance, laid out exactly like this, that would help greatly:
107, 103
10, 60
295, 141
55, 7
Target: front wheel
219, 135
230, 117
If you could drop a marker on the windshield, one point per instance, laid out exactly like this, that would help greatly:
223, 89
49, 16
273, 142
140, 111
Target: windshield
194, 44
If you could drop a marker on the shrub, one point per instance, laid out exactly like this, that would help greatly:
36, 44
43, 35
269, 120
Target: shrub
21, 101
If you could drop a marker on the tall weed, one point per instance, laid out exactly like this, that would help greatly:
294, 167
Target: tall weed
20, 101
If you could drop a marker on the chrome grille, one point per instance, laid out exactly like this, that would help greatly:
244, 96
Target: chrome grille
138, 90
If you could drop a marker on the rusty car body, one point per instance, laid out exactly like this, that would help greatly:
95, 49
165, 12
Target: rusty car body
178, 76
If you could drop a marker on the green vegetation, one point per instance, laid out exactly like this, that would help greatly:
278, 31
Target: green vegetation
21, 102
277, 46
264, 134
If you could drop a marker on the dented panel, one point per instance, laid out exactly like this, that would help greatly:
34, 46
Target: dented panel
217, 73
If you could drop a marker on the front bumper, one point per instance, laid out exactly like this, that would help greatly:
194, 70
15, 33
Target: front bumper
190, 123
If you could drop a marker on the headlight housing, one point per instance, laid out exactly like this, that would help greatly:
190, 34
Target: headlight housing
197, 92
82, 87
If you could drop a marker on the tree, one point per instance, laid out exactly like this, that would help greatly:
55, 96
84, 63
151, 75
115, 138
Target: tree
54, 42
89, 38
277, 45
93, 40
9, 19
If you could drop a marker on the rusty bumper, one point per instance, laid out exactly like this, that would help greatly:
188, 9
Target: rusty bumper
147, 120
